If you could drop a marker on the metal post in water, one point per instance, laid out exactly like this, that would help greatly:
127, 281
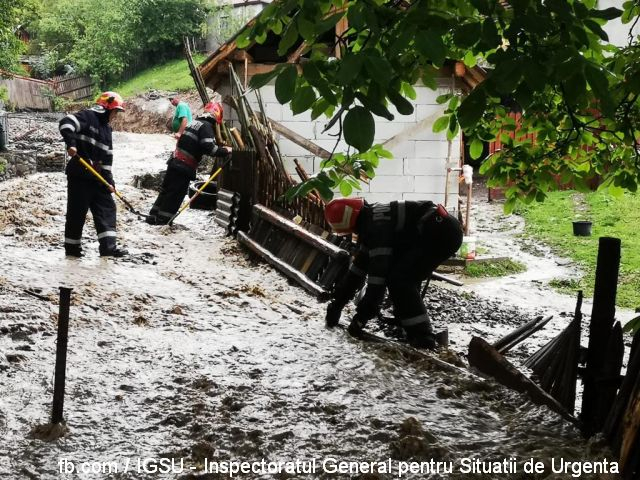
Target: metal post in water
61, 355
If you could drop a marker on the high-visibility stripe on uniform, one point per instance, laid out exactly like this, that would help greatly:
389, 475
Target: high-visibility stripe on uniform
108, 233
106, 167
68, 126
72, 241
93, 141
74, 120
190, 135
401, 216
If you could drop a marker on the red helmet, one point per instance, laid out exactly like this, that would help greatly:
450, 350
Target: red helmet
342, 214
215, 110
111, 101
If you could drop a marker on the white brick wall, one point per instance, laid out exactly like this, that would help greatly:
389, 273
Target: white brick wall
418, 169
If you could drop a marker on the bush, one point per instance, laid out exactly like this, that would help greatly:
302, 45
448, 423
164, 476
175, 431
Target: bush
103, 40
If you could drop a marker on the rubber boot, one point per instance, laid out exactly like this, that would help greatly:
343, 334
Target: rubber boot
421, 336
73, 251
114, 252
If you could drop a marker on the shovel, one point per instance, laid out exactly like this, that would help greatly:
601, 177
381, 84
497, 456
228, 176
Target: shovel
110, 187
198, 192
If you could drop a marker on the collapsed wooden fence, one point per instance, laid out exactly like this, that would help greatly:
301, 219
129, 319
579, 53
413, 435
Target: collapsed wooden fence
34, 94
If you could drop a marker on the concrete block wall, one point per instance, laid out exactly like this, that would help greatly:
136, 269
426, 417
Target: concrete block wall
418, 170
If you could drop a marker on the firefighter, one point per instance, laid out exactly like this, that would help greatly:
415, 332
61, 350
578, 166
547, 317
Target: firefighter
87, 134
196, 141
399, 245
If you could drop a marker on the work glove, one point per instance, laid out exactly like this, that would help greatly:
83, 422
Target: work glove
356, 326
334, 310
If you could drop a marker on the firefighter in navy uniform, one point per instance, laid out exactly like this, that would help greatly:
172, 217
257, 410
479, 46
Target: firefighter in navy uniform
88, 134
399, 245
197, 140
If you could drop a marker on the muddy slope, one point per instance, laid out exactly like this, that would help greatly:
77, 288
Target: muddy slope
190, 349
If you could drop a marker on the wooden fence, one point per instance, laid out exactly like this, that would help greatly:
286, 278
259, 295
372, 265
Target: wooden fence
30, 93
73, 88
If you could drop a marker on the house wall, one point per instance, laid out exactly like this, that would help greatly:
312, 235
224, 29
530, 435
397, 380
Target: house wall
418, 170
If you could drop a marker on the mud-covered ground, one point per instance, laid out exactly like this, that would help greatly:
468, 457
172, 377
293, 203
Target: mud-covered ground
189, 349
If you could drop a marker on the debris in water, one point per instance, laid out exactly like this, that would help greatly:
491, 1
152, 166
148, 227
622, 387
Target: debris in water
49, 431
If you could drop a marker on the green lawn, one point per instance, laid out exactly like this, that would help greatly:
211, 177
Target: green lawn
173, 76
551, 222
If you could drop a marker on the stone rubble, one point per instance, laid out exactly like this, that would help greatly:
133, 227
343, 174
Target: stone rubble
34, 145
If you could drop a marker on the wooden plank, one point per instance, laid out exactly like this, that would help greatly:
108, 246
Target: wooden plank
289, 271
602, 319
291, 228
612, 429
510, 340
487, 360
289, 134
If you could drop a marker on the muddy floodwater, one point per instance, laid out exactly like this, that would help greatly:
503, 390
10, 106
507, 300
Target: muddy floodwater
189, 356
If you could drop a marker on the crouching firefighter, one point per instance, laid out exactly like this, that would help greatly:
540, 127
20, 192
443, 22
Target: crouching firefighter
87, 134
399, 245
197, 140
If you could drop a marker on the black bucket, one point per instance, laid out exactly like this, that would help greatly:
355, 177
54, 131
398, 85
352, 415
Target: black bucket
582, 229
208, 199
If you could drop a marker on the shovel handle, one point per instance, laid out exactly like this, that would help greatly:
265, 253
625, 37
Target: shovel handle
199, 191
88, 166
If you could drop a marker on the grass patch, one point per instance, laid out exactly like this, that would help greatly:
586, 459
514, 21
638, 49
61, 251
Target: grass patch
551, 222
173, 76
498, 268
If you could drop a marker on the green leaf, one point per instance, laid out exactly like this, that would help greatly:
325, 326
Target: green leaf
598, 82
440, 99
469, 59
306, 28
314, 76
375, 107
378, 68
409, 91
472, 108
319, 107
431, 46
289, 39
286, 84
597, 29
243, 39
349, 68
475, 149
607, 14
429, 78
302, 100
468, 34
345, 189
403, 105
359, 128
440, 124
261, 79
632, 325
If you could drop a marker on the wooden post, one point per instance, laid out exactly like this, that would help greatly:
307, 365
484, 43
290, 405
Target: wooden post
61, 355
602, 318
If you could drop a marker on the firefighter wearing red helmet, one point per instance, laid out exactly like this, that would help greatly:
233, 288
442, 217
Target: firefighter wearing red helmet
87, 134
197, 140
399, 245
